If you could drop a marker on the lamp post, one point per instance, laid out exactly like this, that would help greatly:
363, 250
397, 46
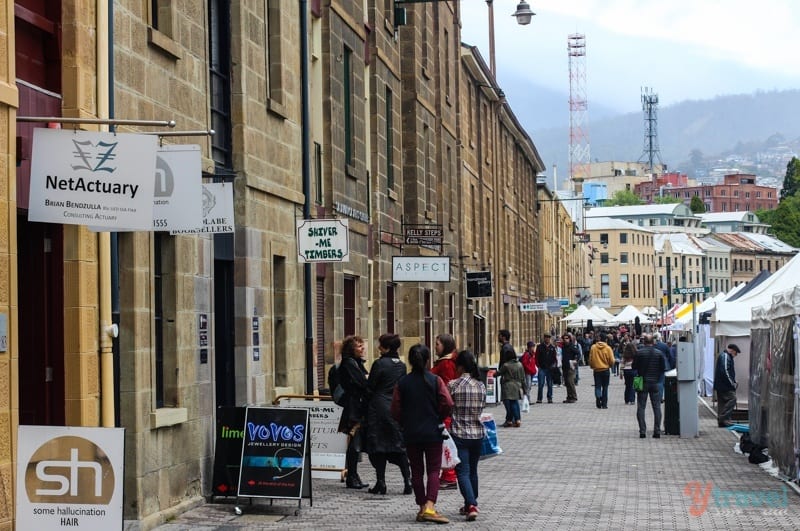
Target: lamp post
523, 14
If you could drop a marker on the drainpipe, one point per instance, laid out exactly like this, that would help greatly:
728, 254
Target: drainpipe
306, 171
107, 331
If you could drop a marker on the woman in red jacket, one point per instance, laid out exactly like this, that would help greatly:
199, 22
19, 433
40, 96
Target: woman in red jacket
445, 368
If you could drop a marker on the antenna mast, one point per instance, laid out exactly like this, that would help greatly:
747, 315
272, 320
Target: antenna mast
579, 151
650, 110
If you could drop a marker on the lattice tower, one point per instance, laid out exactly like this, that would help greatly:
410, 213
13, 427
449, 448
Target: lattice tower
579, 150
651, 151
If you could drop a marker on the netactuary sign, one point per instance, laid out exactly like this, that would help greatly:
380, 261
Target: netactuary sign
97, 179
323, 240
69, 477
420, 269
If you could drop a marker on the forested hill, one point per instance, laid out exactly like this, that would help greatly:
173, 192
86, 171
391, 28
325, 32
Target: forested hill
714, 127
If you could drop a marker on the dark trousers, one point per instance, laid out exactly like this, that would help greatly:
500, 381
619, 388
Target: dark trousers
425, 458
569, 382
469, 452
726, 402
512, 410
630, 394
379, 460
601, 380
653, 391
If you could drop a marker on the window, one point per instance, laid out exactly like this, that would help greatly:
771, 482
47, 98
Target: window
708, 192
736, 193
280, 334
660, 263
603, 258
349, 305
161, 17
623, 237
347, 81
624, 290
603, 239
390, 308
747, 195
274, 53
722, 192
389, 140
318, 171
605, 290
623, 258
220, 68
158, 314
427, 316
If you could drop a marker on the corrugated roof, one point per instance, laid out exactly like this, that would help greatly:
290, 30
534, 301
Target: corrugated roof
737, 241
769, 242
717, 217
634, 210
612, 224
681, 243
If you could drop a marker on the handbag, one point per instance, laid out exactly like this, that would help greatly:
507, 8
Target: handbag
638, 383
489, 447
449, 451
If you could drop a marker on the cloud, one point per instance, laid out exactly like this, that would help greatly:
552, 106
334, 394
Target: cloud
683, 49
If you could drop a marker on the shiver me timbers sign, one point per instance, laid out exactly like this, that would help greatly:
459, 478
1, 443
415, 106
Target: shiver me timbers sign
97, 179
323, 240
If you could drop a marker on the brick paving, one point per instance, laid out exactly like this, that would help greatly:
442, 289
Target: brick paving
570, 466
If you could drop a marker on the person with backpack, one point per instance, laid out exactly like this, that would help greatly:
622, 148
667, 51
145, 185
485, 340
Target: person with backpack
352, 377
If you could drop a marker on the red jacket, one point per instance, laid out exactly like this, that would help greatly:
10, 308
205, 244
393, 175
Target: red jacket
529, 362
445, 367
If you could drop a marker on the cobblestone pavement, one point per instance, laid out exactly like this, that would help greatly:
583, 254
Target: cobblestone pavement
570, 466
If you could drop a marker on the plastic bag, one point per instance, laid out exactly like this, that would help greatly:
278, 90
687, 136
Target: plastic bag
489, 448
526, 404
638, 383
449, 451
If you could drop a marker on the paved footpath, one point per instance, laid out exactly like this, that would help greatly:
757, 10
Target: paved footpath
570, 466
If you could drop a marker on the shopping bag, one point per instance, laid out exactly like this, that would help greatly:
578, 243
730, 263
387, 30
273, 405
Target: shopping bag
638, 383
449, 452
489, 448
526, 404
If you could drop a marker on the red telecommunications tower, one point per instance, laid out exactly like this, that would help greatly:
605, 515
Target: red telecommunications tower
579, 151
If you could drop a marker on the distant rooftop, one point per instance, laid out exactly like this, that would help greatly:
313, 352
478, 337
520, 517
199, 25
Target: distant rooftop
612, 224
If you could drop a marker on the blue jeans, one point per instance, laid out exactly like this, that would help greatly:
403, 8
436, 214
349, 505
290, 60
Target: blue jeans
469, 451
630, 394
601, 380
512, 410
542, 378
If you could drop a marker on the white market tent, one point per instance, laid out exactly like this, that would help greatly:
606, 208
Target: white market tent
581, 315
732, 319
603, 315
629, 315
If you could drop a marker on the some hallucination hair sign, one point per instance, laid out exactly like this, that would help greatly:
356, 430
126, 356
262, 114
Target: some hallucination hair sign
274, 453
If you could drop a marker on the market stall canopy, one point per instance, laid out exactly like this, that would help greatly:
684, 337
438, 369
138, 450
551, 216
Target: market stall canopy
732, 318
582, 315
603, 314
629, 315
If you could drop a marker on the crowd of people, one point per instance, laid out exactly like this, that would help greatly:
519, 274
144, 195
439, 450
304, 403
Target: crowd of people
402, 416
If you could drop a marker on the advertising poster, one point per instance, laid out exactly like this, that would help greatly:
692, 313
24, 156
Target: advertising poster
95, 179
69, 477
275, 461
228, 450
328, 446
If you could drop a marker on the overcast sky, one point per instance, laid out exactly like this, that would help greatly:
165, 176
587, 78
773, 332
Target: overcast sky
681, 49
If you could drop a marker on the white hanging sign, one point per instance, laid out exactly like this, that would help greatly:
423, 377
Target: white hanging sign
323, 240
178, 194
217, 210
88, 178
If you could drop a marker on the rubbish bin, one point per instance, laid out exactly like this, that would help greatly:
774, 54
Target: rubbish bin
672, 422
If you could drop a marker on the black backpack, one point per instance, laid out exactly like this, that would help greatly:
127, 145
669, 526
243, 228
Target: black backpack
336, 389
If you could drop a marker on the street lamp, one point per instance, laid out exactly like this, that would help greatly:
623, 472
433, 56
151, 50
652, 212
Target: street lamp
523, 14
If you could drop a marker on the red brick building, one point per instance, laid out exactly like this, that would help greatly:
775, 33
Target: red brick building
737, 193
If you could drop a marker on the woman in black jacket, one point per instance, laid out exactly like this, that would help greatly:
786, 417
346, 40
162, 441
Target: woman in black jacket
384, 438
353, 378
